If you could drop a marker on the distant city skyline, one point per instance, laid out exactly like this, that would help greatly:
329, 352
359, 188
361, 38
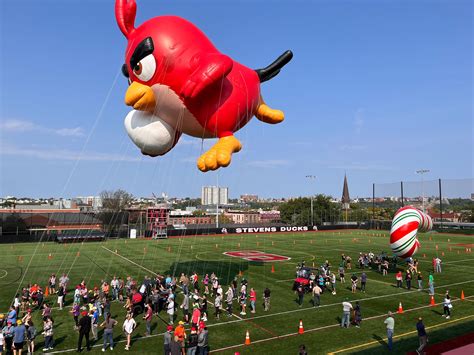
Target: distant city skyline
372, 91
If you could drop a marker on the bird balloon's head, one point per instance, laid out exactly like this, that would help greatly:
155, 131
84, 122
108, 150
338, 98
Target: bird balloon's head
151, 128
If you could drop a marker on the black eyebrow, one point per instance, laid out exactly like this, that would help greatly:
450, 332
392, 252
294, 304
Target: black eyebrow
125, 70
143, 49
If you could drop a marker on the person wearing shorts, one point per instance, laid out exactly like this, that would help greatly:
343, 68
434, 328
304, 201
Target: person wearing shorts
19, 337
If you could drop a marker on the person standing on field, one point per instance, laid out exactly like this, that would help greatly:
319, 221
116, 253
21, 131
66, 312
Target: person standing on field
108, 325
422, 336
419, 278
431, 284
390, 323
266, 299
316, 295
363, 281
346, 313
128, 327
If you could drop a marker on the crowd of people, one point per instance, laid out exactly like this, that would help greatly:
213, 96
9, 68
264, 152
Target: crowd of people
156, 298
149, 299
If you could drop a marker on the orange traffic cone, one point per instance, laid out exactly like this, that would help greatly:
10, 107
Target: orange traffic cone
240, 273
400, 308
169, 249
432, 301
50, 256
301, 329
46, 292
462, 295
424, 255
78, 253
273, 268
442, 253
247, 338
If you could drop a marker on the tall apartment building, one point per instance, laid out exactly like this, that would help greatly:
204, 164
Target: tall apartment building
212, 195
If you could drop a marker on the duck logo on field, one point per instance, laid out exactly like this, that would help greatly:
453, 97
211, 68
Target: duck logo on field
254, 255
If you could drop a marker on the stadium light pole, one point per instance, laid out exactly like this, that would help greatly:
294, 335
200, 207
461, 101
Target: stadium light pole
311, 178
422, 172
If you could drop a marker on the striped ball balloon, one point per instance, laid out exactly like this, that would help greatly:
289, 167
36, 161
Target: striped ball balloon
405, 226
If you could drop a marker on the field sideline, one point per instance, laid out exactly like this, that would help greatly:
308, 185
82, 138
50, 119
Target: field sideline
273, 332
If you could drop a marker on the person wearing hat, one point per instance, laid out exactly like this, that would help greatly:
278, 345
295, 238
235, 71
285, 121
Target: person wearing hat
180, 332
168, 336
8, 332
84, 331
19, 337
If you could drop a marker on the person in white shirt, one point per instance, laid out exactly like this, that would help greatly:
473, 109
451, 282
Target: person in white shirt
346, 313
170, 309
128, 327
115, 286
447, 307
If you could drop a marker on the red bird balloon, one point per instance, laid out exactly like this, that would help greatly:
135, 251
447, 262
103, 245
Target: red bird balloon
180, 83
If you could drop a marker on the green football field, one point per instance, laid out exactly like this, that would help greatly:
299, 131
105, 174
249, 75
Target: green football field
273, 332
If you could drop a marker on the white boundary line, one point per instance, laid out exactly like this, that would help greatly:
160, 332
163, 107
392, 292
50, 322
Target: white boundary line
270, 315
6, 273
322, 328
256, 341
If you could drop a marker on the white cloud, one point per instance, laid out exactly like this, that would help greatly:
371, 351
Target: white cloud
14, 125
64, 154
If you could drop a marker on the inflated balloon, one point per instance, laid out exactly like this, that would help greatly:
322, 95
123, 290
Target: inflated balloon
406, 224
180, 83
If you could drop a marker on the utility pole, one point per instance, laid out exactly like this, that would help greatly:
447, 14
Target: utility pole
422, 172
217, 202
311, 178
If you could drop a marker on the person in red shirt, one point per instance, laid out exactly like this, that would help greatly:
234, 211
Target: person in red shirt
399, 278
147, 317
253, 300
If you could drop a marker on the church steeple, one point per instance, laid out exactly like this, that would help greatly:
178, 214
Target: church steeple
345, 195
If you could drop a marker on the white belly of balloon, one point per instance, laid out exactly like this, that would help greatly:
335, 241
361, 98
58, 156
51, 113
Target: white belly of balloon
158, 132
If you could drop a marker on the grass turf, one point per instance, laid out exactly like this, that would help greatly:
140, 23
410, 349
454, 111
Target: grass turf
273, 332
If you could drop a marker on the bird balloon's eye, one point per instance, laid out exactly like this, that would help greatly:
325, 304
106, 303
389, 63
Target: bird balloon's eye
145, 68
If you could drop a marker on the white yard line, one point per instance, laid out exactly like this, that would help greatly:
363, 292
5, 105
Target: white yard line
320, 328
256, 341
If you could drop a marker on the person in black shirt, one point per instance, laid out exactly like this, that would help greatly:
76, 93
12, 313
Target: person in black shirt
266, 299
300, 292
422, 336
84, 330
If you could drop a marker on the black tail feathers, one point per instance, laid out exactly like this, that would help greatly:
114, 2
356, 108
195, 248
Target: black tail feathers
273, 69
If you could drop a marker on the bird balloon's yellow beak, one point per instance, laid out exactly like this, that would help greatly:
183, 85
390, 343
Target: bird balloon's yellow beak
140, 97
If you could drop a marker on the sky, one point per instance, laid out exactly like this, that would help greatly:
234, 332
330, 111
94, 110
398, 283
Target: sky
376, 89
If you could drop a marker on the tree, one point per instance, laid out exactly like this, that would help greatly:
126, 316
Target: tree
298, 211
114, 205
